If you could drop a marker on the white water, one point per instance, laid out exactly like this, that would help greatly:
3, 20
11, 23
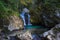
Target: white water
25, 10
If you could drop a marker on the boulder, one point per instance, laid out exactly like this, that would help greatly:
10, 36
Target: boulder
15, 23
54, 33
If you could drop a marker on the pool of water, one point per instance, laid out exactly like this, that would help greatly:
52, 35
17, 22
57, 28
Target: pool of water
34, 26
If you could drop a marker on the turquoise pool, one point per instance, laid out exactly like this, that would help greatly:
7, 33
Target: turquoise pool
32, 26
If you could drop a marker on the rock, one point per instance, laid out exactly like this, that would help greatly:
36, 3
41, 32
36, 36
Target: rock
15, 23
57, 26
25, 36
58, 36
26, 10
54, 33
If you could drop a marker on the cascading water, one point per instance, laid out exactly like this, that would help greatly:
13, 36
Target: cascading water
25, 17
22, 16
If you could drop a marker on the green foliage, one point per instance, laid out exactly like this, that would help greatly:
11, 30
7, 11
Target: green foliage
8, 7
55, 3
26, 2
45, 8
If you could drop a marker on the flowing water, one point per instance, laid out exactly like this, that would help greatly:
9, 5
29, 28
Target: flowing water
26, 17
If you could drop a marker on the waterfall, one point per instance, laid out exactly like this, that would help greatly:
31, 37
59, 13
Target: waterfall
25, 11
23, 18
